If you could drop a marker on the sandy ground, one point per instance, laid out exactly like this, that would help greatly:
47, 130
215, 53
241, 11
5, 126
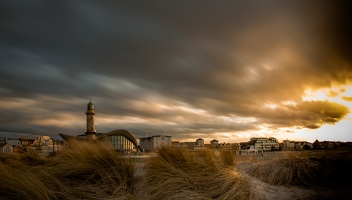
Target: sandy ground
139, 177
264, 191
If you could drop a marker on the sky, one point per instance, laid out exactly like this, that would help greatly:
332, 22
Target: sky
225, 70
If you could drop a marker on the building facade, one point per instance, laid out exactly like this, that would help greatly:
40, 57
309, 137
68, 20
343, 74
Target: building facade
264, 143
155, 142
214, 143
121, 140
200, 142
4, 147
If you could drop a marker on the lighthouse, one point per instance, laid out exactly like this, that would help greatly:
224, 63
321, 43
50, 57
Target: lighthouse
90, 129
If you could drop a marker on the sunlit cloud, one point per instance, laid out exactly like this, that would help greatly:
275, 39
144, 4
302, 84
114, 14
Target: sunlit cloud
61, 120
346, 98
289, 103
315, 95
271, 106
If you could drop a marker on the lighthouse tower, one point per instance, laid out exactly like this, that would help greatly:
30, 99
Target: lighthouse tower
90, 129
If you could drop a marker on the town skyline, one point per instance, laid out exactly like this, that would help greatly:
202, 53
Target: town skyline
226, 70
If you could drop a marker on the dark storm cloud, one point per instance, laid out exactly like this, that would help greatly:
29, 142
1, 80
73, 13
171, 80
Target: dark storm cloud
227, 58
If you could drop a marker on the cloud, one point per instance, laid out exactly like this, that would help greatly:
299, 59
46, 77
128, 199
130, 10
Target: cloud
306, 114
347, 98
185, 67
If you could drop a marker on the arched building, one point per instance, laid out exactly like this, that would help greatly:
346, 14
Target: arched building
121, 140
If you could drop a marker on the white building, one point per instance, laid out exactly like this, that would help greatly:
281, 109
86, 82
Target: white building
155, 142
200, 142
5, 148
264, 143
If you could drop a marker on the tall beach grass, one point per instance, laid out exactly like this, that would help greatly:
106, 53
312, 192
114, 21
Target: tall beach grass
93, 170
83, 170
179, 174
322, 169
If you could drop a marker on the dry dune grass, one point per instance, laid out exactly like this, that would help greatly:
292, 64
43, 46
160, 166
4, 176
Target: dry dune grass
83, 171
179, 174
89, 170
28, 159
322, 170
24, 176
99, 166
21, 184
227, 158
285, 171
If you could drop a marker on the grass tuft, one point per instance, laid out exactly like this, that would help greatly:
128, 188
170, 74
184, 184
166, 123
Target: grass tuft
228, 158
180, 174
325, 170
84, 170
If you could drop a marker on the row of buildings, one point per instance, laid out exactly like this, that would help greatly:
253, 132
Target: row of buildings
42, 145
152, 143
